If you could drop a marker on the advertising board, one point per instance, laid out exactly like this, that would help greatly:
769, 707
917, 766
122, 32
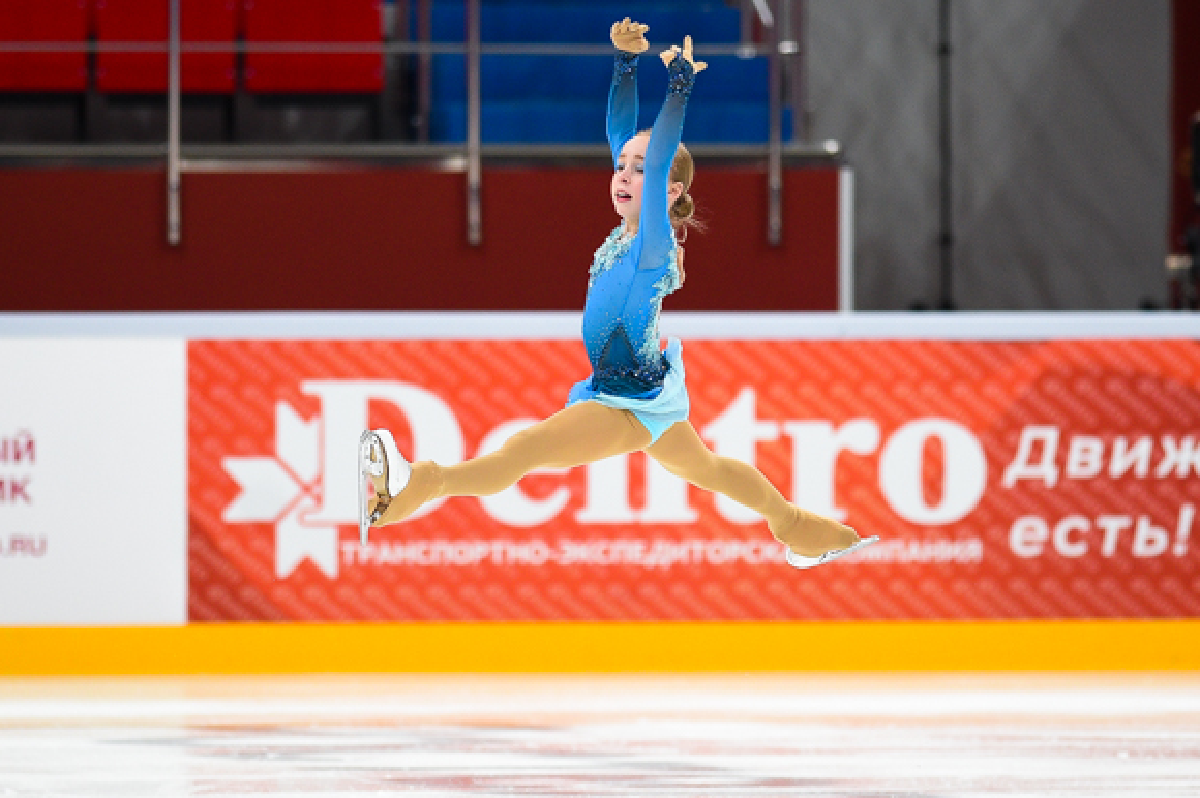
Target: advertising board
92, 484
1014, 479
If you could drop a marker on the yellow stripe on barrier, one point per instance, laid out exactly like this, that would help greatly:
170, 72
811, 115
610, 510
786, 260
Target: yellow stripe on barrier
229, 648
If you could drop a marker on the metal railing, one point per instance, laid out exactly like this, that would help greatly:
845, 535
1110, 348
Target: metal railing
778, 18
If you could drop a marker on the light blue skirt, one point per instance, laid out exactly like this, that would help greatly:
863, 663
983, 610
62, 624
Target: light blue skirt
658, 412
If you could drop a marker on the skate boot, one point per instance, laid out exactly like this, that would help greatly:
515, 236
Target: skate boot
800, 561
382, 466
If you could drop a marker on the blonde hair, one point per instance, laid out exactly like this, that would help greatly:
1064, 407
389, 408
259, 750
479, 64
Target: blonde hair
682, 211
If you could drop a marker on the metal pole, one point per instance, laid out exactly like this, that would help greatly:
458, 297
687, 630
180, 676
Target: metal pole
845, 240
745, 31
395, 28
787, 40
400, 28
424, 68
797, 74
174, 222
764, 13
775, 141
946, 162
474, 155
789, 47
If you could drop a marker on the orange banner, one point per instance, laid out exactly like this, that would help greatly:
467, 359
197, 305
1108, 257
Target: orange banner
1006, 479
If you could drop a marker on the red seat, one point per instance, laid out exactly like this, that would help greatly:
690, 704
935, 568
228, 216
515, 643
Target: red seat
44, 21
147, 21
313, 21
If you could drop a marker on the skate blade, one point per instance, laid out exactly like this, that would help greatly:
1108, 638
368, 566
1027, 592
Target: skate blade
800, 561
365, 470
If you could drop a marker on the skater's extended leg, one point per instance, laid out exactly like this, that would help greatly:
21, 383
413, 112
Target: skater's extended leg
681, 451
581, 433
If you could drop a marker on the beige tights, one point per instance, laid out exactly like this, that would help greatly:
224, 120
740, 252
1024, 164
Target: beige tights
588, 431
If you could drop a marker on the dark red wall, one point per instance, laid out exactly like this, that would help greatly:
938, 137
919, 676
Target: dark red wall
387, 238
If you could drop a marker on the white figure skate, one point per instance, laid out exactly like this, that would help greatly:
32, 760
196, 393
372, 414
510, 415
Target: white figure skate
800, 561
378, 457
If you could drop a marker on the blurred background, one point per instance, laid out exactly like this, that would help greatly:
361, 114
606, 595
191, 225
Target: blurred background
1020, 156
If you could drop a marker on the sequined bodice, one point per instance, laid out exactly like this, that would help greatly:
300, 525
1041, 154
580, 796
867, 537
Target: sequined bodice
620, 319
631, 274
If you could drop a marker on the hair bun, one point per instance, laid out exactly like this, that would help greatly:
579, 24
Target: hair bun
683, 207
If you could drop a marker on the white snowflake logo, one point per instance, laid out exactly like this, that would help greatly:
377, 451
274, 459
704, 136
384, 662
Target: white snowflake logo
285, 490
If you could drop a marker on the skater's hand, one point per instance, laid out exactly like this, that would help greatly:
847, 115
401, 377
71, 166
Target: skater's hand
629, 36
669, 54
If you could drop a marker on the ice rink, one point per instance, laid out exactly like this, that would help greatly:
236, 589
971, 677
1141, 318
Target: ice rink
781, 735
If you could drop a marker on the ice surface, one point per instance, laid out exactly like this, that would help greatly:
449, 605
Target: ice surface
794, 735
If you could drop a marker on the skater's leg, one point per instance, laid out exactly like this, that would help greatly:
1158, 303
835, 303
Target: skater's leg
581, 433
681, 451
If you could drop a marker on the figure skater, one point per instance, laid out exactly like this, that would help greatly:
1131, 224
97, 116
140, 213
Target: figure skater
636, 399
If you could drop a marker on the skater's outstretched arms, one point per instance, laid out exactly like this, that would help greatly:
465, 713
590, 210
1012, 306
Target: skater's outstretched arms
655, 223
629, 39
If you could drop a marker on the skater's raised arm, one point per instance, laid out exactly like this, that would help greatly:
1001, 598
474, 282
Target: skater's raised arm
655, 224
629, 39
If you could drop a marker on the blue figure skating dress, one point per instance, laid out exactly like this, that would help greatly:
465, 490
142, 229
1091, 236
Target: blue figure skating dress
631, 274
